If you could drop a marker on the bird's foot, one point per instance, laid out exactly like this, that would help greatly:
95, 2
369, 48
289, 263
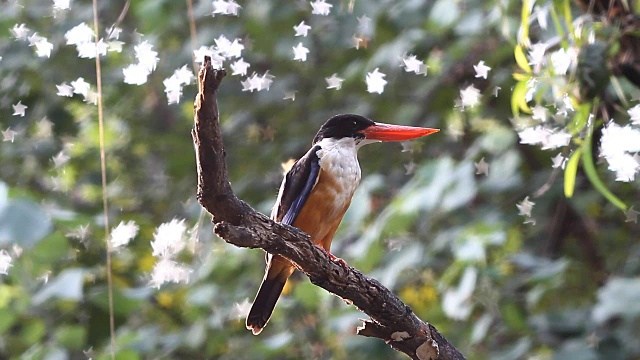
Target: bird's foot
335, 258
339, 261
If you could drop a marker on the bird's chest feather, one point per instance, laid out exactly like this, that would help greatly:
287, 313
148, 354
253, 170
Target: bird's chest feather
339, 166
331, 196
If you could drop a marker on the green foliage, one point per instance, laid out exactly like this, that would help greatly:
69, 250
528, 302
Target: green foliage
422, 221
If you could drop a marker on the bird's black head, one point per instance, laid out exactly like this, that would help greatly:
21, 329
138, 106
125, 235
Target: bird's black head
343, 126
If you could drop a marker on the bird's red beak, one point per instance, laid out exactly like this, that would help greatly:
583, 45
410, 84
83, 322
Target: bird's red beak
388, 132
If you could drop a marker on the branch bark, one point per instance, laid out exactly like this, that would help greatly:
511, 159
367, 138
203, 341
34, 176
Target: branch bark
238, 224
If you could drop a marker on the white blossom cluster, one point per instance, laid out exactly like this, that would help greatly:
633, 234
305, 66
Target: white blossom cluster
122, 234
147, 59
553, 63
5, 262
42, 45
224, 7
168, 241
173, 84
620, 147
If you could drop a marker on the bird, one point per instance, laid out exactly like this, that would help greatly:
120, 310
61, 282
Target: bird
316, 192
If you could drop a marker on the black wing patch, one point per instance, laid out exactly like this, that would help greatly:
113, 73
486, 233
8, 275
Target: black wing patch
297, 186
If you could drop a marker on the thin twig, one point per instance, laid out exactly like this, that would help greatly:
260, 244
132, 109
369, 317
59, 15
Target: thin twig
120, 18
193, 33
103, 170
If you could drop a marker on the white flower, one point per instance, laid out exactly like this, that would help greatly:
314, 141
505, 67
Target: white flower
9, 135
81, 87
239, 67
412, 64
567, 102
334, 82
114, 33
541, 12
531, 89
79, 34
456, 302
19, 109
184, 75
147, 58
320, 7
226, 7
469, 96
135, 74
536, 54
168, 238
300, 52
375, 81
123, 233
525, 207
64, 90
556, 139
365, 26
61, 4
539, 113
558, 161
634, 113
562, 60
201, 52
481, 70
115, 45
617, 146
302, 29
228, 49
5, 262
173, 85
43, 47
167, 270
90, 49
548, 138
20, 32
257, 83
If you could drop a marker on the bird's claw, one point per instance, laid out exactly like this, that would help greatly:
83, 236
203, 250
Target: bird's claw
335, 258
339, 261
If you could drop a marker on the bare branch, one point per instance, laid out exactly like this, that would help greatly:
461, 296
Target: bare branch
240, 225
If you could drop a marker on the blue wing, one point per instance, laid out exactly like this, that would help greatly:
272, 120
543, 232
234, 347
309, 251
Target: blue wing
296, 187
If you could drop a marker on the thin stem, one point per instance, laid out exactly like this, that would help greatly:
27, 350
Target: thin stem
194, 37
103, 169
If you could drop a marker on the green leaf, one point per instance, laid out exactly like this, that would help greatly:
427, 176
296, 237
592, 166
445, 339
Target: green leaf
570, 173
8, 317
620, 297
579, 119
518, 102
23, 222
32, 331
524, 21
72, 337
67, 286
521, 59
129, 300
568, 18
592, 175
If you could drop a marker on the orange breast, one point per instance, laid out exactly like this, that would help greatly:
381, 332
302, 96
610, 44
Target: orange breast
323, 210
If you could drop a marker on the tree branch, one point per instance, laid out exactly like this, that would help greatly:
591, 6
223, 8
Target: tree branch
238, 224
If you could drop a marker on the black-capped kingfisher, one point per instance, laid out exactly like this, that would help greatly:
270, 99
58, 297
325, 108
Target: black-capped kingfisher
316, 192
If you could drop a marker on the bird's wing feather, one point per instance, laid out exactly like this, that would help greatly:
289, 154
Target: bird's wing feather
296, 187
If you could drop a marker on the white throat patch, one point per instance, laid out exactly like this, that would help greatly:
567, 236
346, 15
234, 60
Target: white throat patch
339, 157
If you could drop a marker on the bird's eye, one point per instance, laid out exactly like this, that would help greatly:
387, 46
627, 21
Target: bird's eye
354, 123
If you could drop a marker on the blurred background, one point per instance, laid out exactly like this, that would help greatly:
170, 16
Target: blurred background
512, 250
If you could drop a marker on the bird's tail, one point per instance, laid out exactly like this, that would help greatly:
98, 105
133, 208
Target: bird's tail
276, 274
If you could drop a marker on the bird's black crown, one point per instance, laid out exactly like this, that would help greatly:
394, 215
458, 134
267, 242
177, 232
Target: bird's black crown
343, 126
